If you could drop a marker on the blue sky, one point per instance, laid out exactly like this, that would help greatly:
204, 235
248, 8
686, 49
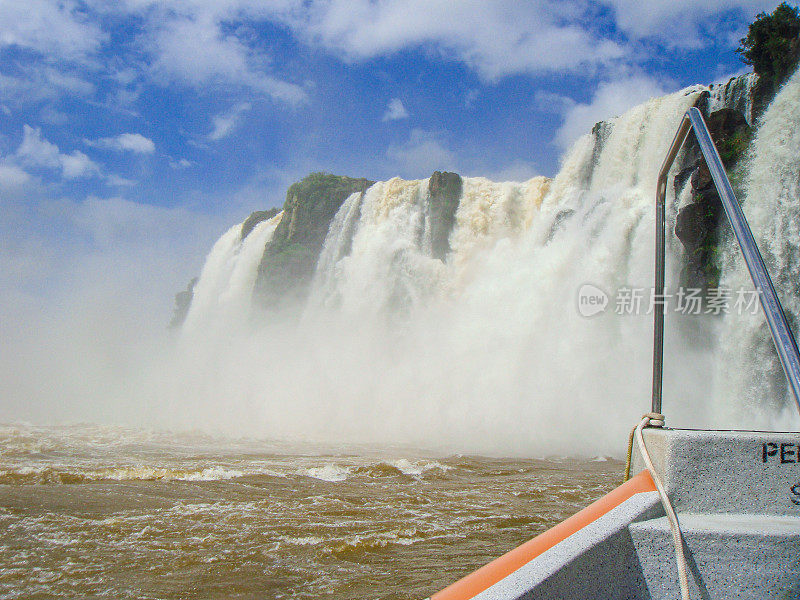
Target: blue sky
132, 133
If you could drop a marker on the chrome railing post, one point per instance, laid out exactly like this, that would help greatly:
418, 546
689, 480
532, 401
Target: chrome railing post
782, 336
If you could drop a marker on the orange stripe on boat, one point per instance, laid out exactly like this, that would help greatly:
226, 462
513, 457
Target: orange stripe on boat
485, 577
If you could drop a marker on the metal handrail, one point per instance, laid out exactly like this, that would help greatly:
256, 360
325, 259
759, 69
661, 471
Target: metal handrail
778, 325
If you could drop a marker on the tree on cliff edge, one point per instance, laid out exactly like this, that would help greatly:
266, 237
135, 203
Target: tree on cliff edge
772, 44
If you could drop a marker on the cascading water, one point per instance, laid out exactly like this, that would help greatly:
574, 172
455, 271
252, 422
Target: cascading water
492, 211
222, 296
749, 368
388, 264
736, 93
378, 253
486, 350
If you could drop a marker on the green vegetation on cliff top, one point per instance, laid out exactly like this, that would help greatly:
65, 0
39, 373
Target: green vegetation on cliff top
771, 43
291, 256
772, 48
255, 218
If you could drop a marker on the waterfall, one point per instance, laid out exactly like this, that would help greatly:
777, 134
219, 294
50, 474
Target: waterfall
486, 348
378, 253
388, 263
222, 296
749, 368
736, 93
338, 244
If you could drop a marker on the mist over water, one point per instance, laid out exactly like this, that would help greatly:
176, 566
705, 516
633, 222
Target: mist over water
485, 351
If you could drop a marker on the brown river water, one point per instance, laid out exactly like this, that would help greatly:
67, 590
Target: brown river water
102, 512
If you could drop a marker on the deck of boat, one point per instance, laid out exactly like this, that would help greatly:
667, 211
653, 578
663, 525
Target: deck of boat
737, 498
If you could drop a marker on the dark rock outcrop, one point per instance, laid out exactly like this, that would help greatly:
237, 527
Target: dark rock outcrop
444, 192
731, 134
772, 48
601, 131
290, 258
698, 224
255, 218
183, 301
559, 221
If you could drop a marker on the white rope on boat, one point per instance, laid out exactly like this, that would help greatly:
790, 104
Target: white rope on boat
657, 420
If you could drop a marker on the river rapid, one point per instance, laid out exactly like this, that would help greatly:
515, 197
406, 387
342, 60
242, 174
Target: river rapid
106, 512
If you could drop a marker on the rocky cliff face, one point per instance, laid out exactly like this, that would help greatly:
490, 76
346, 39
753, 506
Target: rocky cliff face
290, 258
183, 300
699, 224
257, 217
444, 192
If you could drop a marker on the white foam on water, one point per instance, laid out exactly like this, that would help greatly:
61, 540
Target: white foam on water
419, 467
331, 473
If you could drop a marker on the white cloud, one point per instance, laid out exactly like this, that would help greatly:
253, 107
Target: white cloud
182, 163
470, 96
208, 43
12, 176
131, 142
395, 110
196, 43
77, 165
55, 29
225, 123
611, 99
53, 116
552, 102
679, 23
194, 50
37, 83
503, 37
495, 38
35, 151
420, 155
117, 181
